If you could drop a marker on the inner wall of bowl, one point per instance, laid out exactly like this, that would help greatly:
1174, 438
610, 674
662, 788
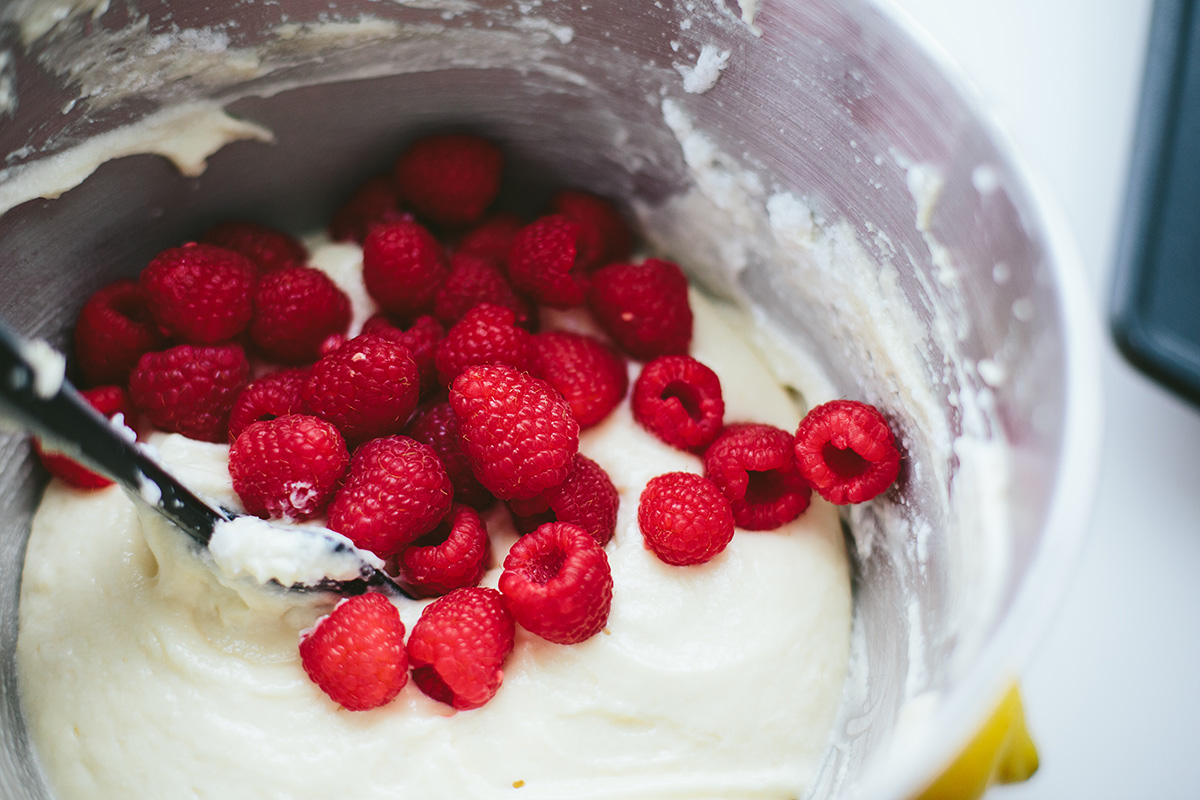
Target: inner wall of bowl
825, 104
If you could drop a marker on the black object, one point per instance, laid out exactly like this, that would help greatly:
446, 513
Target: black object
1156, 293
60, 417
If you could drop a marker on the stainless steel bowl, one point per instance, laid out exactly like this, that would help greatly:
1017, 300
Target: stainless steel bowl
834, 107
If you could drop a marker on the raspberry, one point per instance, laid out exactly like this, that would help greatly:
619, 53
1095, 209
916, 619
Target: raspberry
453, 556
367, 388
486, 335
190, 389
558, 584
474, 280
604, 237
516, 430
846, 450
108, 400
437, 426
492, 238
288, 467
356, 654
267, 248
377, 201
679, 400
450, 179
644, 308
459, 645
200, 293
587, 498
396, 491
685, 519
115, 329
543, 263
275, 394
403, 265
588, 373
421, 338
755, 468
295, 310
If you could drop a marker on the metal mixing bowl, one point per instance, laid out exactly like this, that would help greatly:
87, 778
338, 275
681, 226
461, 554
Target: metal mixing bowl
837, 104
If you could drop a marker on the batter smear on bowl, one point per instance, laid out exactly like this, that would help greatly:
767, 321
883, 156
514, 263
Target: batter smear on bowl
624, 592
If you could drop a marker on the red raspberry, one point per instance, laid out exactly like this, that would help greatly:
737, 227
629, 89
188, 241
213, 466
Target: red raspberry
450, 179
453, 556
367, 387
437, 426
421, 338
558, 584
108, 400
587, 498
679, 400
295, 310
288, 467
589, 374
846, 450
190, 389
200, 293
115, 329
644, 308
377, 201
267, 248
403, 265
543, 263
604, 237
275, 394
486, 335
396, 491
516, 430
492, 238
684, 518
459, 645
474, 280
356, 654
755, 468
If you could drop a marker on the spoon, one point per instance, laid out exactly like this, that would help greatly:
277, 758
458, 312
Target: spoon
36, 398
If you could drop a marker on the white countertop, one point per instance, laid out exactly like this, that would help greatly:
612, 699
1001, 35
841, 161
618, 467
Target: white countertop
1113, 694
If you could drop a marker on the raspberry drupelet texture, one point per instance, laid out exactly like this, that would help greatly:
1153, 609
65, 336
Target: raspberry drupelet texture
295, 310
459, 645
846, 450
438, 427
200, 293
685, 519
395, 491
487, 334
190, 389
450, 179
679, 400
558, 584
288, 467
403, 266
544, 264
267, 248
275, 394
474, 280
108, 400
492, 238
421, 338
517, 431
356, 654
452, 557
604, 237
114, 330
643, 307
368, 387
587, 498
755, 468
589, 374
376, 201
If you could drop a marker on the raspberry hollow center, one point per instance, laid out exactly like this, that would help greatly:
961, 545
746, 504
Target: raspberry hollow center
547, 567
765, 487
687, 395
846, 463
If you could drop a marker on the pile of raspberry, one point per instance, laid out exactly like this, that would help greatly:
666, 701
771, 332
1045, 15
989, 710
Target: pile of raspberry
449, 401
